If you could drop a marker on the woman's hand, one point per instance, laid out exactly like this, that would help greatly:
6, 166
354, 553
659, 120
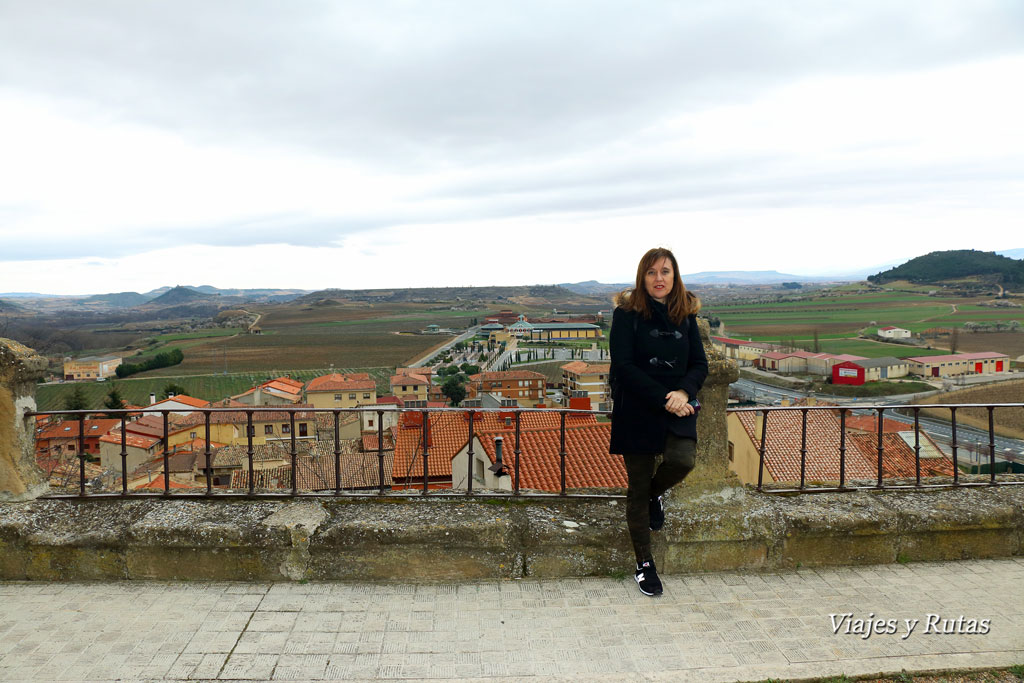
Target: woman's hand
678, 403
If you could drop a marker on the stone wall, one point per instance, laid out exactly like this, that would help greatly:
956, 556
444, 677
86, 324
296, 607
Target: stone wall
445, 538
20, 367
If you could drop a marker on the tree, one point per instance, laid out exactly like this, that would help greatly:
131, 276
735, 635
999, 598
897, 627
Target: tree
817, 344
470, 368
172, 389
113, 401
954, 339
76, 399
454, 390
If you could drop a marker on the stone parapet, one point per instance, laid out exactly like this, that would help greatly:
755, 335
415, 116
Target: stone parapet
446, 539
20, 368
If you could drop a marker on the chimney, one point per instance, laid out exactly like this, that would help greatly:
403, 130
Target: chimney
499, 466
152, 398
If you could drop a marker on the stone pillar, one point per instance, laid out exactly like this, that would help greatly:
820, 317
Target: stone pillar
712, 470
20, 368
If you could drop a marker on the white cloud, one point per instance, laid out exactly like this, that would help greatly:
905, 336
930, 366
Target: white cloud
363, 146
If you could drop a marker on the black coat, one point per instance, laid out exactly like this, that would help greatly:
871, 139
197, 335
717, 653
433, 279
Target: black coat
641, 377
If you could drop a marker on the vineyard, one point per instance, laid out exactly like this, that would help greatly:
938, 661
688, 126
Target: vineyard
1008, 421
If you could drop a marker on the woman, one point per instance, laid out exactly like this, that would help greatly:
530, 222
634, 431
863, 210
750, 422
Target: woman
657, 367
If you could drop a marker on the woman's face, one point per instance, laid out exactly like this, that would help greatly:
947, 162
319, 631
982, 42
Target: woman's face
659, 278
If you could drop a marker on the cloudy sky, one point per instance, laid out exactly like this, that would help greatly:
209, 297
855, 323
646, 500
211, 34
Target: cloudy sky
257, 143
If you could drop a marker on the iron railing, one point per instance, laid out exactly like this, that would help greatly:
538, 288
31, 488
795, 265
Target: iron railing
954, 480
844, 483
382, 488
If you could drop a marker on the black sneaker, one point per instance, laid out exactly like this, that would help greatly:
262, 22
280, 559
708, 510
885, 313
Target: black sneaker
647, 578
657, 511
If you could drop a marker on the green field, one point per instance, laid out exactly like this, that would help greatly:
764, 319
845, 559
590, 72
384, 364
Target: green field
839, 314
207, 387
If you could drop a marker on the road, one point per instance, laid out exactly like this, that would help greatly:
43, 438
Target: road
465, 336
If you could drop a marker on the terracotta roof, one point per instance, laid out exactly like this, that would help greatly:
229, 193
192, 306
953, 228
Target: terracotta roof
502, 375
369, 441
158, 484
869, 423
148, 425
422, 372
409, 380
782, 447
262, 414
195, 445
292, 386
326, 420
69, 428
449, 432
582, 368
183, 398
177, 463
898, 457
587, 461
316, 471
357, 381
131, 440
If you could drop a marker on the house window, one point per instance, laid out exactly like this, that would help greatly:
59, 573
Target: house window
369, 422
337, 397
286, 429
478, 471
250, 431
303, 430
192, 435
366, 395
268, 429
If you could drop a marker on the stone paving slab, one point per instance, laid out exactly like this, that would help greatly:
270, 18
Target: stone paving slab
706, 627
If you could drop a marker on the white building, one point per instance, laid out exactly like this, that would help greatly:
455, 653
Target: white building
891, 332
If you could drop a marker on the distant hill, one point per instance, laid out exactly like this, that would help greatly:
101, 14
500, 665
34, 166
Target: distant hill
939, 266
9, 307
713, 277
178, 295
748, 277
531, 295
593, 287
273, 295
118, 300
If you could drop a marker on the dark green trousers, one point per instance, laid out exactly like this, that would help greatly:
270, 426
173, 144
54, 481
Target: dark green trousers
647, 479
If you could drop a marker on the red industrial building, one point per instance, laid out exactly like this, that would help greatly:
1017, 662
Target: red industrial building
847, 372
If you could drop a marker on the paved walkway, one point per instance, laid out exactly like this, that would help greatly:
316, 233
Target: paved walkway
713, 627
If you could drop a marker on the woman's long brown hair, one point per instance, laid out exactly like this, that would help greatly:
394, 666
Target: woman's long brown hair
680, 302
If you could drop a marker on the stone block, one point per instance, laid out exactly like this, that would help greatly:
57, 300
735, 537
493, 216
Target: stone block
834, 529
